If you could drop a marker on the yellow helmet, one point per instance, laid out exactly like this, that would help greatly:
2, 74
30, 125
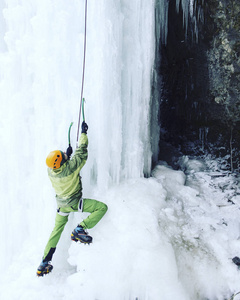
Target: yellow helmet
54, 159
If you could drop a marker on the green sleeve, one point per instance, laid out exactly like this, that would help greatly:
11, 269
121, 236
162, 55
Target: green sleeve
81, 154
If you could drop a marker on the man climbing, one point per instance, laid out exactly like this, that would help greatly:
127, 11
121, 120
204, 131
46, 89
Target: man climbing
64, 176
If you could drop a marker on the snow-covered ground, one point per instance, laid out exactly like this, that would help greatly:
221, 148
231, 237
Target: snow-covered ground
169, 236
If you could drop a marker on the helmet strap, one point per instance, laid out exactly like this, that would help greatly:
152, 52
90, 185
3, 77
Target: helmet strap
63, 159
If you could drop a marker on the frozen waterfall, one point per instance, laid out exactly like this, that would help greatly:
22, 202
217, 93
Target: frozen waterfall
151, 244
41, 67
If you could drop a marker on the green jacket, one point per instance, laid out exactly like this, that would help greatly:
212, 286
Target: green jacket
66, 180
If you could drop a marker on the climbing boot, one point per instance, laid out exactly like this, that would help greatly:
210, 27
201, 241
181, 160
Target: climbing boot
80, 235
44, 268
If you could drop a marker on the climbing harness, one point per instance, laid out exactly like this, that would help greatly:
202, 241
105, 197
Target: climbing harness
80, 205
83, 71
66, 214
63, 214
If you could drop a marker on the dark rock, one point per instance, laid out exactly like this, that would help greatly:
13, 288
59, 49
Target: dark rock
200, 87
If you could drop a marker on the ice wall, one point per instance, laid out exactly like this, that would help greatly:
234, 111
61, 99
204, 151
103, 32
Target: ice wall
118, 88
41, 49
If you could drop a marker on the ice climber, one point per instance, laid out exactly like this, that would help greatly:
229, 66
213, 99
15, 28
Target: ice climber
64, 176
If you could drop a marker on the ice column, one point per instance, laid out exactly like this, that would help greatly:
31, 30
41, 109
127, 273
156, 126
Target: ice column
118, 88
193, 11
161, 20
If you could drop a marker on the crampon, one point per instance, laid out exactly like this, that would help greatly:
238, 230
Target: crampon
80, 235
44, 268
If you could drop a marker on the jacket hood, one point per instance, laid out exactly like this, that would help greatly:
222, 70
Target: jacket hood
57, 171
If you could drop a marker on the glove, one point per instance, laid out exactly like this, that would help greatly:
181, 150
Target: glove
84, 127
69, 151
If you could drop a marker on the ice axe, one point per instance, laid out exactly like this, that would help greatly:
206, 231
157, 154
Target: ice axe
69, 130
69, 149
83, 115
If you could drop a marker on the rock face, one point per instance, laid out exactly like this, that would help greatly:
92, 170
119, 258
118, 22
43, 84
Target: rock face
224, 58
200, 80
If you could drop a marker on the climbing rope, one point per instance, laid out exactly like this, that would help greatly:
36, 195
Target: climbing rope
83, 73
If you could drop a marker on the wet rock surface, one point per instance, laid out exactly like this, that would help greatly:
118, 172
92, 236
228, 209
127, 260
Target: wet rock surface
200, 80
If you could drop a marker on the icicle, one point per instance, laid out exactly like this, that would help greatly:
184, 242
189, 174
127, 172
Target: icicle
191, 8
185, 8
162, 21
177, 5
193, 12
203, 133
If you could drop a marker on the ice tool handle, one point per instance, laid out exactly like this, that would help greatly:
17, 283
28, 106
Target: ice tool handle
83, 115
69, 130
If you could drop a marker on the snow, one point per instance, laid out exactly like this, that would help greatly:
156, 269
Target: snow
169, 236
160, 238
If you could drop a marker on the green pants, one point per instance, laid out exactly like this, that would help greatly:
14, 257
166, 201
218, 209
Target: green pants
96, 209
